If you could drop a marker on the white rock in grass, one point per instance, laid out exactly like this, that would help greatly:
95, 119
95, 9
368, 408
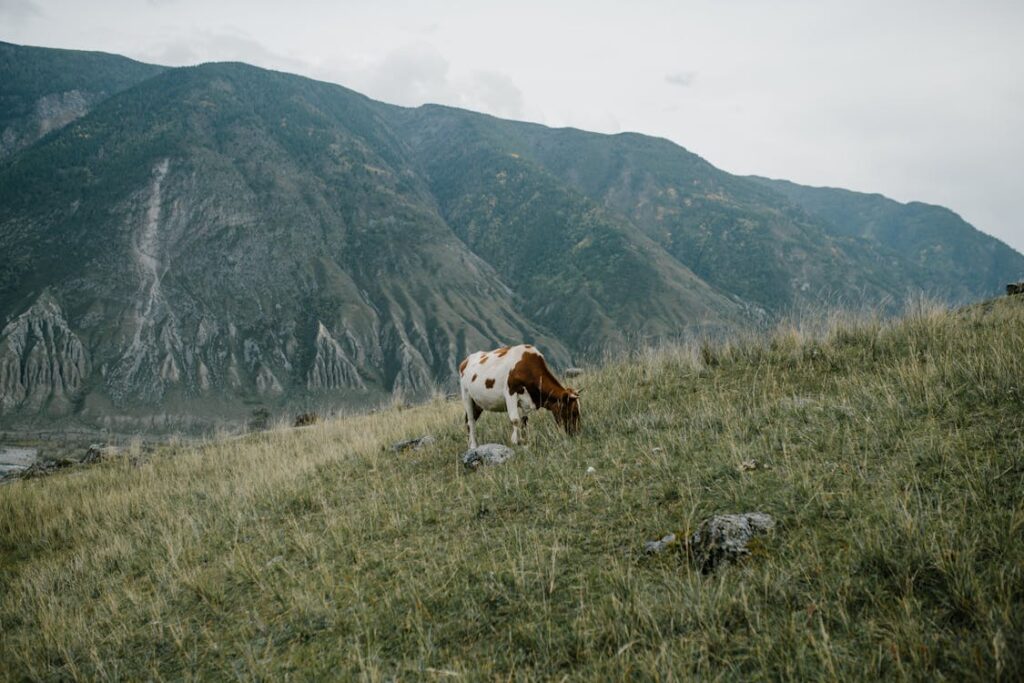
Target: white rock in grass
591, 469
724, 538
654, 547
486, 454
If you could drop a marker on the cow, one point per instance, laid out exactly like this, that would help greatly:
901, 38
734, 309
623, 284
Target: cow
514, 380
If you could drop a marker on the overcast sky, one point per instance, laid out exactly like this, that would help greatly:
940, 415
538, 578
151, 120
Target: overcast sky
918, 100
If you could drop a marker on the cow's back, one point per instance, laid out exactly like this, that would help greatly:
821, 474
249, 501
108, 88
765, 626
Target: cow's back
484, 374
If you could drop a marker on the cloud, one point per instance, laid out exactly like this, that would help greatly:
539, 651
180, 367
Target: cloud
410, 75
683, 79
495, 93
418, 73
228, 45
18, 11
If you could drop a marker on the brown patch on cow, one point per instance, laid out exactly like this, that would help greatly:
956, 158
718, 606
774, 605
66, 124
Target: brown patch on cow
531, 375
489, 383
483, 359
473, 378
462, 366
502, 351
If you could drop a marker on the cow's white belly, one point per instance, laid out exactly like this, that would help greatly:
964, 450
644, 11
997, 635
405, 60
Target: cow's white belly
489, 399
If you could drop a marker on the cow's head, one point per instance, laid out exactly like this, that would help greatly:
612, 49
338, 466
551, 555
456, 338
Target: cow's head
567, 412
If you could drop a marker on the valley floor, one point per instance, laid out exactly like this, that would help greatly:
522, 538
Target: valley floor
892, 457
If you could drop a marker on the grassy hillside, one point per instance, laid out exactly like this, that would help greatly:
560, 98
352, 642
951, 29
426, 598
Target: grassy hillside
896, 473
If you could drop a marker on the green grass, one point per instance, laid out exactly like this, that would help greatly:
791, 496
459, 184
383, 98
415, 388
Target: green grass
896, 475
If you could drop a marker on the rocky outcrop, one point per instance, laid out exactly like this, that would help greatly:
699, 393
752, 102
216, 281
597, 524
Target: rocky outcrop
43, 364
57, 110
331, 368
50, 112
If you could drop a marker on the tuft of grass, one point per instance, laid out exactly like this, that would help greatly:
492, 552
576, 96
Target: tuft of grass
896, 473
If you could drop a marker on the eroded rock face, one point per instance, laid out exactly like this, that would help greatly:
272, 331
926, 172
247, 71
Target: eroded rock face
56, 110
43, 364
50, 112
331, 368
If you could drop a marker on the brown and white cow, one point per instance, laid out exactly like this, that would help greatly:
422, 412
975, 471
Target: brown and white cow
514, 380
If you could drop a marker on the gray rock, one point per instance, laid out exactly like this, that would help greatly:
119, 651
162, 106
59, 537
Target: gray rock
724, 538
15, 460
413, 444
487, 454
45, 467
98, 452
654, 547
572, 372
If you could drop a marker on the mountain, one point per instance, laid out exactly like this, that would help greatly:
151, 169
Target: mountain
228, 235
205, 240
944, 255
44, 89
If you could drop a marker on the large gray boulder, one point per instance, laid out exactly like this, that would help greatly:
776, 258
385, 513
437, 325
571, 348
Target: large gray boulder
487, 454
724, 538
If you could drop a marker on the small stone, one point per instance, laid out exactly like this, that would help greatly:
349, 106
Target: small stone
413, 444
748, 465
487, 454
573, 372
657, 449
654, 547
591, 469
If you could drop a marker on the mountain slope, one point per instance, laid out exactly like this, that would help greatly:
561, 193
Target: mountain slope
739, 236
228, 234
946, 255
43, 89
211, 239
582, 272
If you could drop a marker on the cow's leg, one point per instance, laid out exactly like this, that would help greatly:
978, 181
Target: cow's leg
512, 407
472, 413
